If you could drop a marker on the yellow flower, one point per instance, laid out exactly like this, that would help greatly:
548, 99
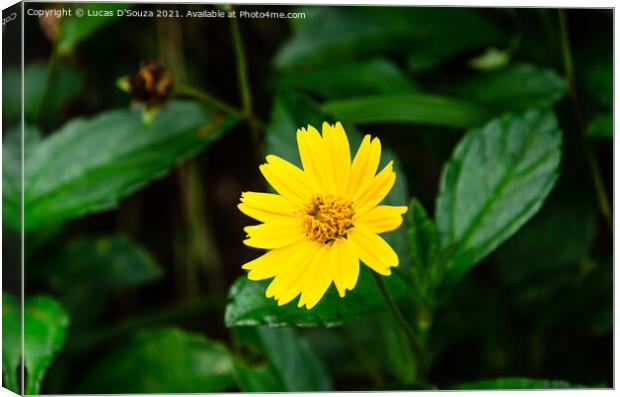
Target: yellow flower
324, 219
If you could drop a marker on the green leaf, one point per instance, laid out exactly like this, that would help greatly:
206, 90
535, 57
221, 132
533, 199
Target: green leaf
11, 341
45, 327
85, 271
411, 108
491, 59
90, 164
329, 35
497, 179
12, 168
74, 29
423, 237
517, 87
424, 246
374, 76
283, 361
295, 363
598, 72
602, 126
552, 243
65, 84
261, 378
516, 383
162, 360
248, 304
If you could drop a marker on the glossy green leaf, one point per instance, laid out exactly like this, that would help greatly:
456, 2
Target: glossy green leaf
517, 87
516, 383
329, 35
85, 271
74, 29
248, 304
411, 108
497, 179
90, 164
601, 126
45, 327
346, 80
162, 360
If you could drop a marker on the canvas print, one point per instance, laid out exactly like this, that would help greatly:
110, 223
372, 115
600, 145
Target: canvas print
206, 198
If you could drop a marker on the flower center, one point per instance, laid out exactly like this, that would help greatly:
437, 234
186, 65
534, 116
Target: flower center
327, 217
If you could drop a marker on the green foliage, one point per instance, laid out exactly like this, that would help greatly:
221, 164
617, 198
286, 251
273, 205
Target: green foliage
516, 383
374, 76
329, 35
601, 126
90, 164
469, 99
411, 108
248, 304
163, 360
517, 87
85, 271
479, 205
291, 364
557, 238
74, 29
45, 325
11, 341
64, 84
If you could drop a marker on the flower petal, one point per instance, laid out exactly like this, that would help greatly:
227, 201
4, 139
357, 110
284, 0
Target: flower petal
380, 219
266, 207
313, 156
380, 186
288, 284
345, 266
374, 251
364, 166
287, 179
275, 261
337, 148
274, 234
317, 280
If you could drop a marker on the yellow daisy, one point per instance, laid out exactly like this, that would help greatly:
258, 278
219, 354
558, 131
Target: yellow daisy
324, 219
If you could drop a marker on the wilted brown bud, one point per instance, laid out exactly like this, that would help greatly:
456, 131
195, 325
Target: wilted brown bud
49, 24
152, 84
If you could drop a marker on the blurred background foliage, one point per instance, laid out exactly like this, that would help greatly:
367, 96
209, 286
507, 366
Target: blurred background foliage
133, 238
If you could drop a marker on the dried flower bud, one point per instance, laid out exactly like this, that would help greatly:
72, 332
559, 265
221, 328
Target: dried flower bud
152, 84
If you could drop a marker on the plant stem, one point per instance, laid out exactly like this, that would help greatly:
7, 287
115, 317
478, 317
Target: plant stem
404, 325
593, 165
242, 76
187, 90
242, 72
